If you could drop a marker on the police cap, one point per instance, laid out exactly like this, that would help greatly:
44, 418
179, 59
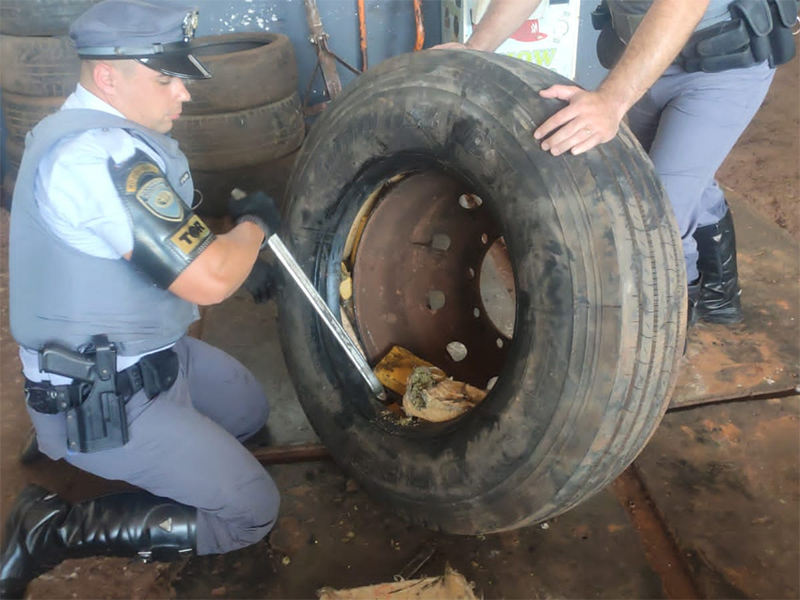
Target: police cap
154, 33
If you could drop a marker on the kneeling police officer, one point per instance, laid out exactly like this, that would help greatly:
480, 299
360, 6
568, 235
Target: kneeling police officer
103, 209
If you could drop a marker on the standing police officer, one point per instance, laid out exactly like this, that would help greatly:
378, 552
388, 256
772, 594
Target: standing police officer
107, 266
690, 75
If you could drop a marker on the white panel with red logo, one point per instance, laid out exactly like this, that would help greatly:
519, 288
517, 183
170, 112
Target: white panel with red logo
549, 38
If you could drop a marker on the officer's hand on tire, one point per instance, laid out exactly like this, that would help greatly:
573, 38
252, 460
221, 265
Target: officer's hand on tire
263, 282
590, 119
258, 208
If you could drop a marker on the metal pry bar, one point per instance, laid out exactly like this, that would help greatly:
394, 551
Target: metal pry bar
352, 351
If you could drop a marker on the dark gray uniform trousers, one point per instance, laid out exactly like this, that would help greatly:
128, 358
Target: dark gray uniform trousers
688, 123
185, 445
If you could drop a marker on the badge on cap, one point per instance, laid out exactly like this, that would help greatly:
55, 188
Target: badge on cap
190, 25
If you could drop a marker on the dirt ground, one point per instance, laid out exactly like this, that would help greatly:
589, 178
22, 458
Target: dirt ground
764, 166
331, 533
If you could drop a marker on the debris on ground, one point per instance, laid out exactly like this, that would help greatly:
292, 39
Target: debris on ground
432, 397
450, 586
107, 577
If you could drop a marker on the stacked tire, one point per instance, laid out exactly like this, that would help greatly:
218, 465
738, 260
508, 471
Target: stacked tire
241, 129
243, 125
40, 66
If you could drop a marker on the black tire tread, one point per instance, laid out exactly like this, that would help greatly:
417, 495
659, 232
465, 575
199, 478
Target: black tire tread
590, 439
38, 66
237, 139
22, 113
40, 17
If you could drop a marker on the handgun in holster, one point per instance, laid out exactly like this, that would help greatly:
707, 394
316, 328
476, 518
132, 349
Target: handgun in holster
97, 420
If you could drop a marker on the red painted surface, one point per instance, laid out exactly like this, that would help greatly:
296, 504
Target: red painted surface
529, 32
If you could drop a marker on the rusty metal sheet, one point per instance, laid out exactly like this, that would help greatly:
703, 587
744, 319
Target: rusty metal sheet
762, 354
725, 479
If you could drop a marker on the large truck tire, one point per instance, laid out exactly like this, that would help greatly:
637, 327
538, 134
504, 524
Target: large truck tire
14, 151
22, 113
438, 145
39, 66
246, 137
249, 69
40, 17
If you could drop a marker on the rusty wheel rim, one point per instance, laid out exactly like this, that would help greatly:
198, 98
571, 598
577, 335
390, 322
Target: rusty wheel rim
431, 274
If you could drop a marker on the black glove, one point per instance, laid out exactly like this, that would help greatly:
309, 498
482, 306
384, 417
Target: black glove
257, 208
264, 281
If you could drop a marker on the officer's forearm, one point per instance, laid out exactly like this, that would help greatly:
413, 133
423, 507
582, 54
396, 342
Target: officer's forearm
662, 34
502, 18
221, 268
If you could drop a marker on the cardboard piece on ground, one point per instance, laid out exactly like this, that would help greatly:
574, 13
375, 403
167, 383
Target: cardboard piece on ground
396, 367
450, 586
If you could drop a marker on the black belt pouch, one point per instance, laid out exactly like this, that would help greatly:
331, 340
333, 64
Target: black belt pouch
781, 40
758, 19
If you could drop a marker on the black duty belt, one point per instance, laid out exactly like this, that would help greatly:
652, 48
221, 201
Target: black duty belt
154, 373
758, 31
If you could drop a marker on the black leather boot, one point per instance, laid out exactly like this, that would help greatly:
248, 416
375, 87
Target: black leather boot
30, 452
42, 530
719, 300
693, 294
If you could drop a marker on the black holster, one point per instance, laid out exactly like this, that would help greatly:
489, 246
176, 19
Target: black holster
95, 402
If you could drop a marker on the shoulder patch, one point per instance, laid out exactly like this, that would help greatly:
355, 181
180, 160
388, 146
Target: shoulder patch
146, 181
168, 236
158, 197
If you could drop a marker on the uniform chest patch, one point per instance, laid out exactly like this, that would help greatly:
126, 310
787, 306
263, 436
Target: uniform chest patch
159, 198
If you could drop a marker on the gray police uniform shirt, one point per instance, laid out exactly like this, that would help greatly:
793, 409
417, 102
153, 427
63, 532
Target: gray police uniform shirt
626, 15
95, 223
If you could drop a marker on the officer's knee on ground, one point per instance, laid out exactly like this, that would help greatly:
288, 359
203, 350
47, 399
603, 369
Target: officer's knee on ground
263, 501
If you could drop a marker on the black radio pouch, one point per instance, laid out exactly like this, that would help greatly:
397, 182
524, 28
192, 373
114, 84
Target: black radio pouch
757, 16
781, 40
769, 23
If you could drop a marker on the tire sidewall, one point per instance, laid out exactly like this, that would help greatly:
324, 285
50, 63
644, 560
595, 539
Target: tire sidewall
39, 66
40, 17
245, 78
242, 138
